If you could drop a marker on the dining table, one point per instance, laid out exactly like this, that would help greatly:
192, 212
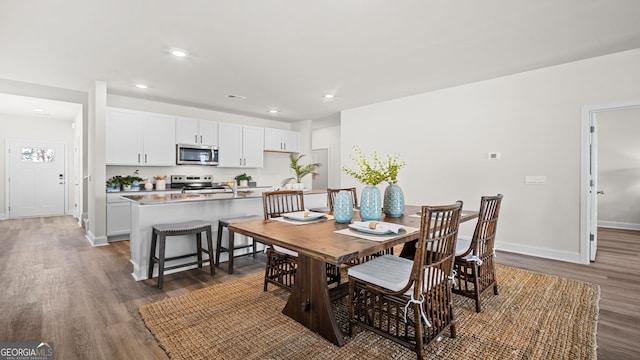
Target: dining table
324, 241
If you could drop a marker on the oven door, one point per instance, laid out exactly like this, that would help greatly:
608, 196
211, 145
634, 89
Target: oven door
196, 155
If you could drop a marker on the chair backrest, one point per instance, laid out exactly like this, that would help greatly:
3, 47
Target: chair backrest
331, 193
433, 262
276, 203
482, 243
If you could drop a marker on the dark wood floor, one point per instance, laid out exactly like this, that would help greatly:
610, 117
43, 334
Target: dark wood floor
56, 287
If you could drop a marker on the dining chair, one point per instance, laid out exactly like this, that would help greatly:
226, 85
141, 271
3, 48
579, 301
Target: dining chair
331, 195
474, 262
281, 262
410, 301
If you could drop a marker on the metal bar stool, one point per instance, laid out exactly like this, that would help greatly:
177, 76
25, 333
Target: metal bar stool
175, 229
224, 223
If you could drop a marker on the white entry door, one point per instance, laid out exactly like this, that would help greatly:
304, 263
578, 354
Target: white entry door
593, 191
37, 178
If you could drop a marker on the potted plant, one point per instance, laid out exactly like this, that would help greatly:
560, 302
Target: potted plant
301, 170
114, 183
371, 172
129, 180
243, 179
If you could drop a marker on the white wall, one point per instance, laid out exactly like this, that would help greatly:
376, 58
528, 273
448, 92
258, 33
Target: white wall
39, 129
619, 168
532, 118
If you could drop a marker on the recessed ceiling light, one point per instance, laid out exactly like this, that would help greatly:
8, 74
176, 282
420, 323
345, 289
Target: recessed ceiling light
38, 110
329, 96
273, 111
178, 52
141, 86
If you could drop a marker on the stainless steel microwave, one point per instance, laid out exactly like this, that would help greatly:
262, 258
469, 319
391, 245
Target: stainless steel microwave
196, 155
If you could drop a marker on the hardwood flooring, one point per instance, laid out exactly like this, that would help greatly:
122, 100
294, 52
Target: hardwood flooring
56, 287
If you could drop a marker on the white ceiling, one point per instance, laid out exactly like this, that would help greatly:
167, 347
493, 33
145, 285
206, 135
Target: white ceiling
286, 55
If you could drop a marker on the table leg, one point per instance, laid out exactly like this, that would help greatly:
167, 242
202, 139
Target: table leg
309, 302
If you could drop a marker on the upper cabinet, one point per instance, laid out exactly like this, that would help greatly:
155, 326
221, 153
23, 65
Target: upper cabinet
240, 146
139, 138
281, 140
196, 131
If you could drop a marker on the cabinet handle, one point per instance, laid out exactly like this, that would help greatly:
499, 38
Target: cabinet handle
200, 139
285, 146
145, 158
245, 161
138, 158
196, 135
240, 161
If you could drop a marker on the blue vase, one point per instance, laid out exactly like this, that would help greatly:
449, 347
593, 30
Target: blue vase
370, 204
393, 201
343, 207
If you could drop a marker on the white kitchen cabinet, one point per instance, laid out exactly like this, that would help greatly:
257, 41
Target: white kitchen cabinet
139, 138
118, 218
196, 131
240, 146
281, 140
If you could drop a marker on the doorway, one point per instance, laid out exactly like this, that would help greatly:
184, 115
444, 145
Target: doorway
36, 178
589, 190
321, 156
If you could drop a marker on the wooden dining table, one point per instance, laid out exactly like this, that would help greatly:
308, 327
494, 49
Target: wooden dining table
318, 244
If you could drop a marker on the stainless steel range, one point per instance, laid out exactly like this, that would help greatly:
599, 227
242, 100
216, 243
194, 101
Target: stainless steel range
201, 184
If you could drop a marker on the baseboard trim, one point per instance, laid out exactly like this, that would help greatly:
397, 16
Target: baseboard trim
96, 240
568, 256
618, 225
3, 216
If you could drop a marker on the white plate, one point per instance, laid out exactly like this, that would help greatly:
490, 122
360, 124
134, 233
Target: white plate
299, 215
377, 231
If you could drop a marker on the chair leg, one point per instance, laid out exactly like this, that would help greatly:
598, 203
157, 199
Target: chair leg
254, 247
418, 330
219, 244
266, 270
161, 261
231, 251
154, 240
476, 285
212, 268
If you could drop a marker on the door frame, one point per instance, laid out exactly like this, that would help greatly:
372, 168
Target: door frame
7, 168
585, 159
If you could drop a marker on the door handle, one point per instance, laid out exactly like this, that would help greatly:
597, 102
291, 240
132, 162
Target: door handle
600, 192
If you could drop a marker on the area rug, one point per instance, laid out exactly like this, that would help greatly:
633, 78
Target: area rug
536, 316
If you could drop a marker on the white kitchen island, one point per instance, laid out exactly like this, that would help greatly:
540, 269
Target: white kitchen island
151, 209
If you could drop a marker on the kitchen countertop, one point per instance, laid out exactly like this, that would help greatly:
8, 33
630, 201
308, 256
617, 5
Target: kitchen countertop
157, 199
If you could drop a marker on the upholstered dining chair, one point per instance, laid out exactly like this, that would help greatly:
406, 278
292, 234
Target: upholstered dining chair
410, 301
331, 195
474, 262
281, 262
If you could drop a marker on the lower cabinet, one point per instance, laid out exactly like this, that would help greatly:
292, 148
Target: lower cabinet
118, 217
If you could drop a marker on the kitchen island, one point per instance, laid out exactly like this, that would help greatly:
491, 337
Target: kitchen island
150, 209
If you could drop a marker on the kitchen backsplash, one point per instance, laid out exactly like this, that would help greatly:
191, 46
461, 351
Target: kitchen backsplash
276, 168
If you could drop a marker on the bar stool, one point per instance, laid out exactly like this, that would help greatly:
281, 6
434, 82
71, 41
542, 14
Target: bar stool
175, 229
224, 223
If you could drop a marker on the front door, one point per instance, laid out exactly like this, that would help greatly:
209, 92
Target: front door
37, 178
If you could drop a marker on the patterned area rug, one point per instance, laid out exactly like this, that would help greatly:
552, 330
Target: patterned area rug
536, 316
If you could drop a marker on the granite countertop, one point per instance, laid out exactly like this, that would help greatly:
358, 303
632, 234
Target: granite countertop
159, 198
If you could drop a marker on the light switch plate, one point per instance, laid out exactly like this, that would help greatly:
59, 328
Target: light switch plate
535, 180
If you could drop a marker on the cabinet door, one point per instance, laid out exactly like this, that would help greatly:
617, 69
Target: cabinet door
291, 141
187, 131
159, 140
229, 145
123, 137
118, 218
208, 132
273, 140
253, 146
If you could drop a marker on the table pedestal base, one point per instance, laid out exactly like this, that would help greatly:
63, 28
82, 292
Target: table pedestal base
309, 302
